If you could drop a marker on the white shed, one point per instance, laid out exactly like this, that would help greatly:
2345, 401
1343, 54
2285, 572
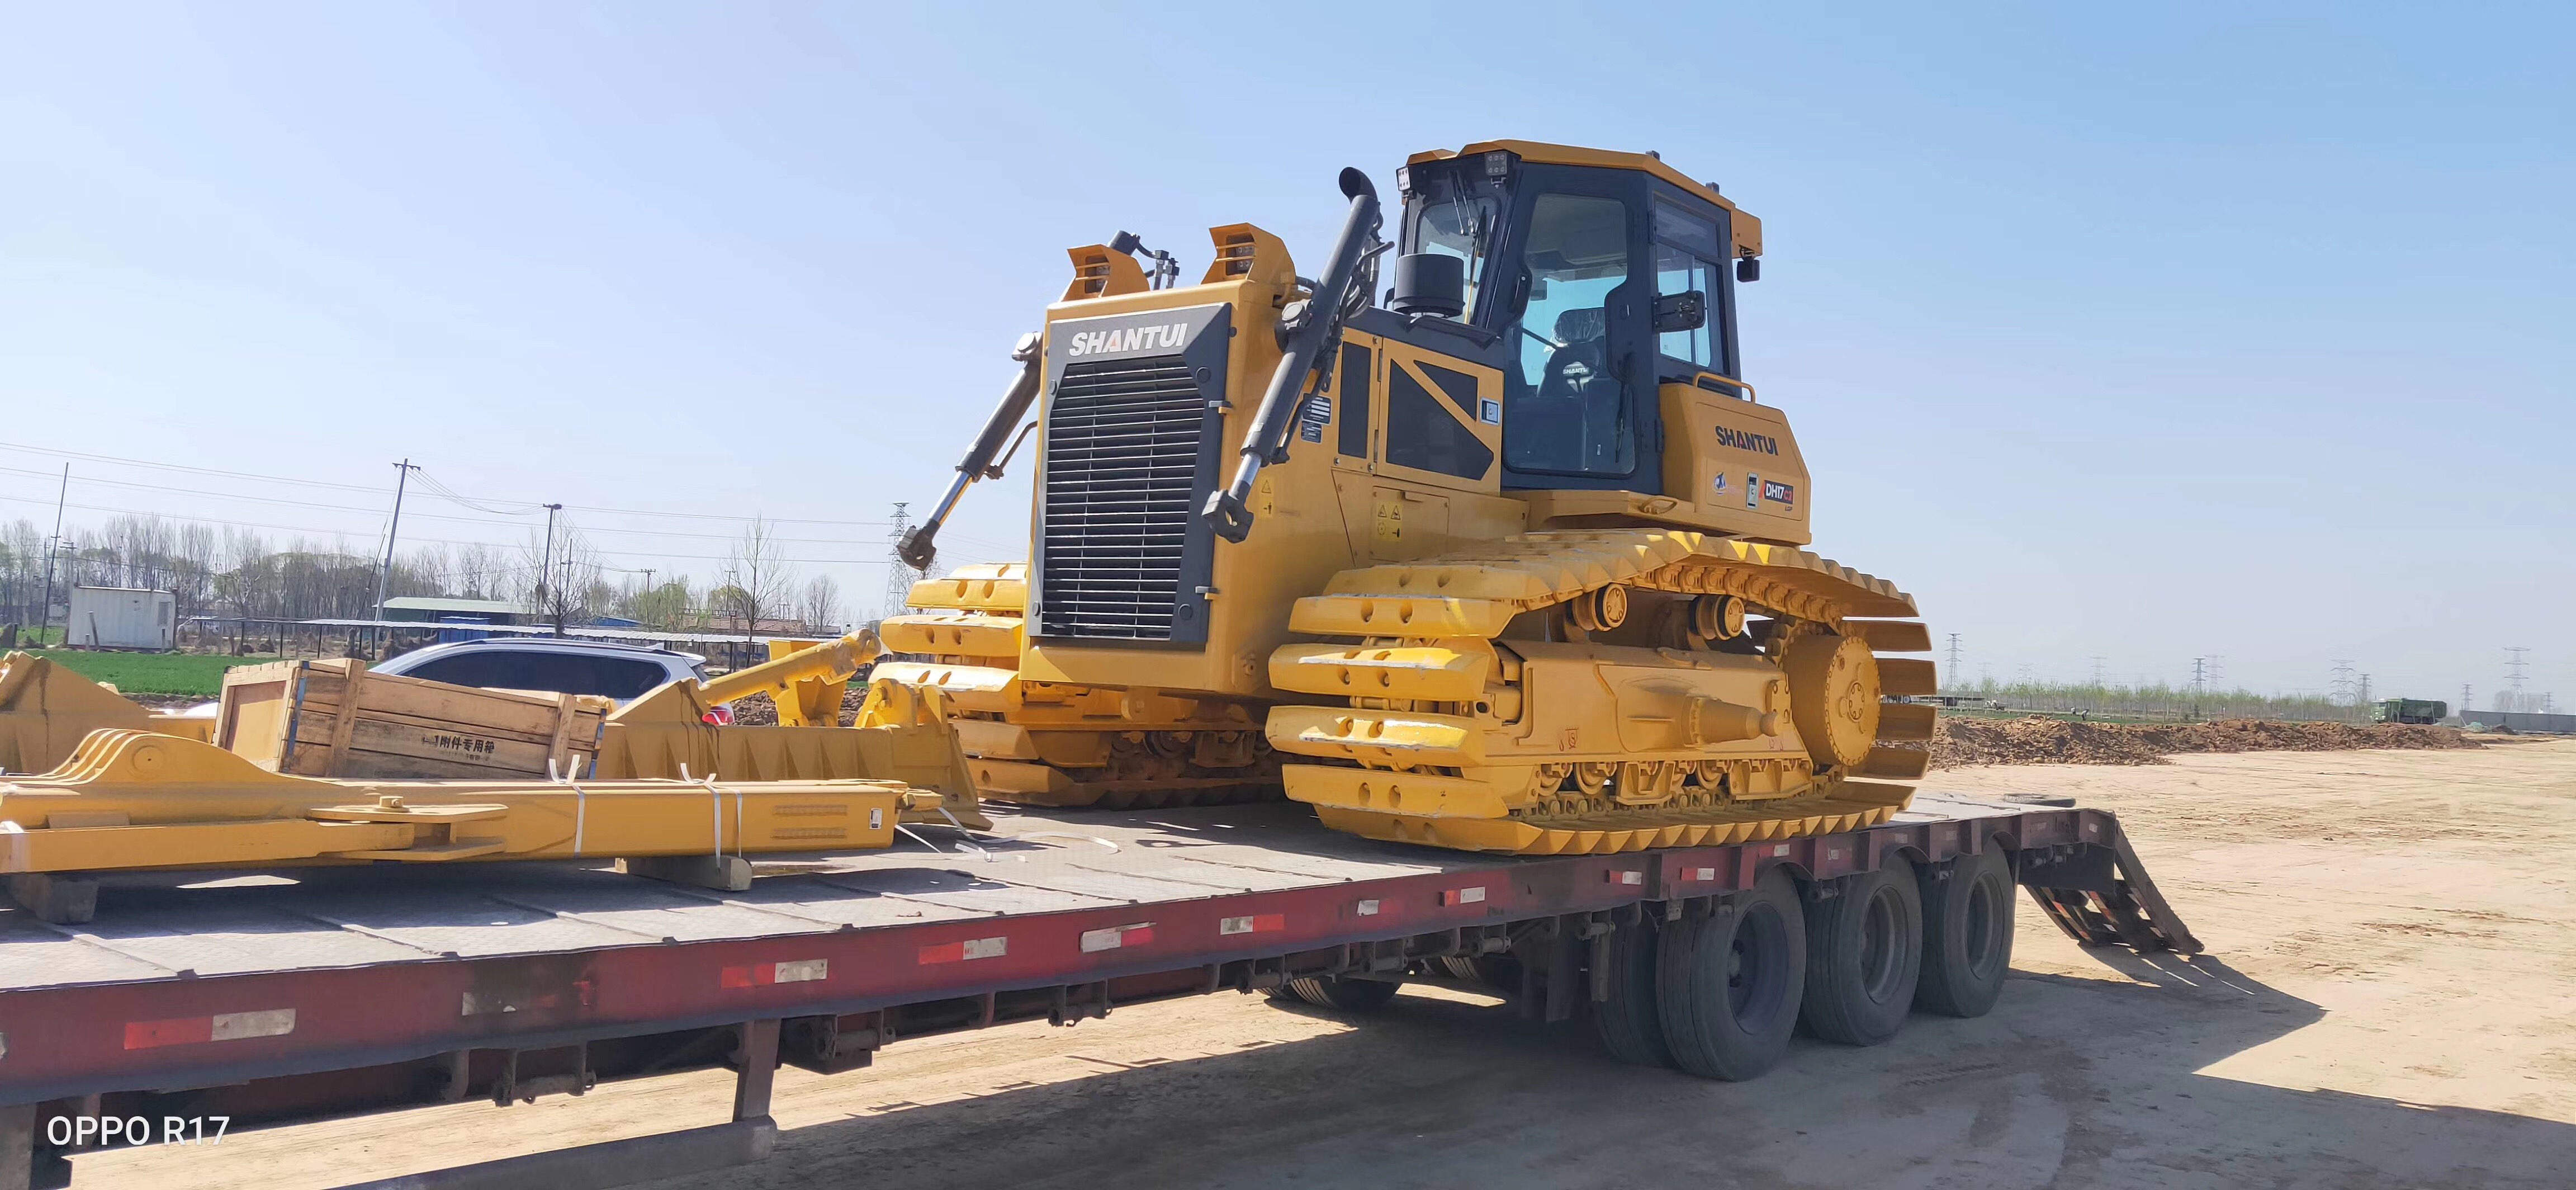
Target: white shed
123, 618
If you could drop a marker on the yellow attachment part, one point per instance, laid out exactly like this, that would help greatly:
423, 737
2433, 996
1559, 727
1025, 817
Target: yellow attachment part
46, 708
1436, 673
1377, 737
906, 738
955, 634
833, 661
1377, 615
136, 800
985, 586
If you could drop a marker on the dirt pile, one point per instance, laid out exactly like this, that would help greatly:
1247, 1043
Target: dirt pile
2039, 740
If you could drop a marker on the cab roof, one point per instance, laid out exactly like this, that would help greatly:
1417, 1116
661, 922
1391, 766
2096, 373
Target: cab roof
1747, 226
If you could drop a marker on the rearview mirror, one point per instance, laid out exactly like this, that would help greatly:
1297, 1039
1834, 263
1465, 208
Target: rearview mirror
1681, 312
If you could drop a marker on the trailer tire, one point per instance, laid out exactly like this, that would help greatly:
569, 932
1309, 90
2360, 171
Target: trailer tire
1865, 955
1343, 992
1728, 985
1967, 934
1627, 1022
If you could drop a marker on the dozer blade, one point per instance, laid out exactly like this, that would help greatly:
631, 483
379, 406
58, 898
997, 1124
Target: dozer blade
664, 736
135, 800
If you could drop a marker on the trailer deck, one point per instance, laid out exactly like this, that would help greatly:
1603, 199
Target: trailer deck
271, 999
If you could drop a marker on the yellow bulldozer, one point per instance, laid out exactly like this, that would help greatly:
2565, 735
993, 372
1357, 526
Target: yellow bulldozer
1508, 561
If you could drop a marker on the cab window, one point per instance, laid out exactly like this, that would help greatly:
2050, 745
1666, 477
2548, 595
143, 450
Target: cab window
1567, 410
1688, 252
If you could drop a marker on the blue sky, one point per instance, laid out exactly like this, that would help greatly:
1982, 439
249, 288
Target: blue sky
2232, 330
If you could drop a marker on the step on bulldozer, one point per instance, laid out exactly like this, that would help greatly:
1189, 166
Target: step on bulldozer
1508, 561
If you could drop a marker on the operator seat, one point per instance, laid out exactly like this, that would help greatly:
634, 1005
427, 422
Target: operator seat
1576, 408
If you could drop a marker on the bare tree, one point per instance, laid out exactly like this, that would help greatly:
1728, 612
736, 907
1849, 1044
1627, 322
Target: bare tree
563, 585
756, 579
821, 606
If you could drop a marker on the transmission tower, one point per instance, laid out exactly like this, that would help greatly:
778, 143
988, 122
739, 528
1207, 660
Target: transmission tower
2515, 669
2097, 671
1954, 660
899, 576
2363, 697
2342, 684
2464, 698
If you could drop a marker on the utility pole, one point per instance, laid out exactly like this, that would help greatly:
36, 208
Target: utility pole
53, 549
402, 479
546, 567
899, 575
1954, 661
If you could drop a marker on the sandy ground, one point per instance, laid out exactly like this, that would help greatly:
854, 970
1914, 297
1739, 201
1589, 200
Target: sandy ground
2386, 1004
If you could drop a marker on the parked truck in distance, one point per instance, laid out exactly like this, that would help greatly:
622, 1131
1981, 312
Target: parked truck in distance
2409, 710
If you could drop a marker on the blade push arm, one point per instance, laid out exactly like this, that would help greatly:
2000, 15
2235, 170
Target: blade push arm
833, 661
918, 547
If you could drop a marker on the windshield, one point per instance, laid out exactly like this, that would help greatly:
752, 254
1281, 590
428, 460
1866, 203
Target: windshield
1453, 216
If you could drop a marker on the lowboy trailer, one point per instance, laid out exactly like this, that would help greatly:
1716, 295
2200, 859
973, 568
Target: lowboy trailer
355, 990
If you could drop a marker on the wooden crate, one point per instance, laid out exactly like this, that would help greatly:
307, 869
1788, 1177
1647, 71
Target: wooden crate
288, 716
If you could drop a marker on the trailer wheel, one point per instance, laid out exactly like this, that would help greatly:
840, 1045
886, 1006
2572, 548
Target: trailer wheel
1343, 992
1967, 934
1627, 1022
1728, 985
1865, 955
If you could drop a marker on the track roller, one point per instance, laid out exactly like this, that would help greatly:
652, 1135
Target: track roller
1728, 985
1864, 954
1967, 934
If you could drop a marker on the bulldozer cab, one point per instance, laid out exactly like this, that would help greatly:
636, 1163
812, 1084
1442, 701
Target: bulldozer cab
1601, 287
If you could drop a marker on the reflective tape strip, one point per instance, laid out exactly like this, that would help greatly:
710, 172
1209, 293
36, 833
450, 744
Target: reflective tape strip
1703, 873
1368, 908
1621, 877
763, 974
1117, 936
1463, 896
972, 948
223, 1026
1259, 923
1782, 849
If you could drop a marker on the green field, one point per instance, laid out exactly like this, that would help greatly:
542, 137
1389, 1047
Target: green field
151, 673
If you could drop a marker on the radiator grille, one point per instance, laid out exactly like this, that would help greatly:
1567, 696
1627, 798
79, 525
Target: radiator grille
1123, 477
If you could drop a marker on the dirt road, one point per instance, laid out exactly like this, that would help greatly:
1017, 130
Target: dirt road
2386, 1004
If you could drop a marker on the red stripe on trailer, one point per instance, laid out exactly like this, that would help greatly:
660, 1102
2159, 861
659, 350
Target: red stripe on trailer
1624, 876
1258, 923
197, 1030
971, 948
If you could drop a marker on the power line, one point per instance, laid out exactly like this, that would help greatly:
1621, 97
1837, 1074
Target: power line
469, 501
